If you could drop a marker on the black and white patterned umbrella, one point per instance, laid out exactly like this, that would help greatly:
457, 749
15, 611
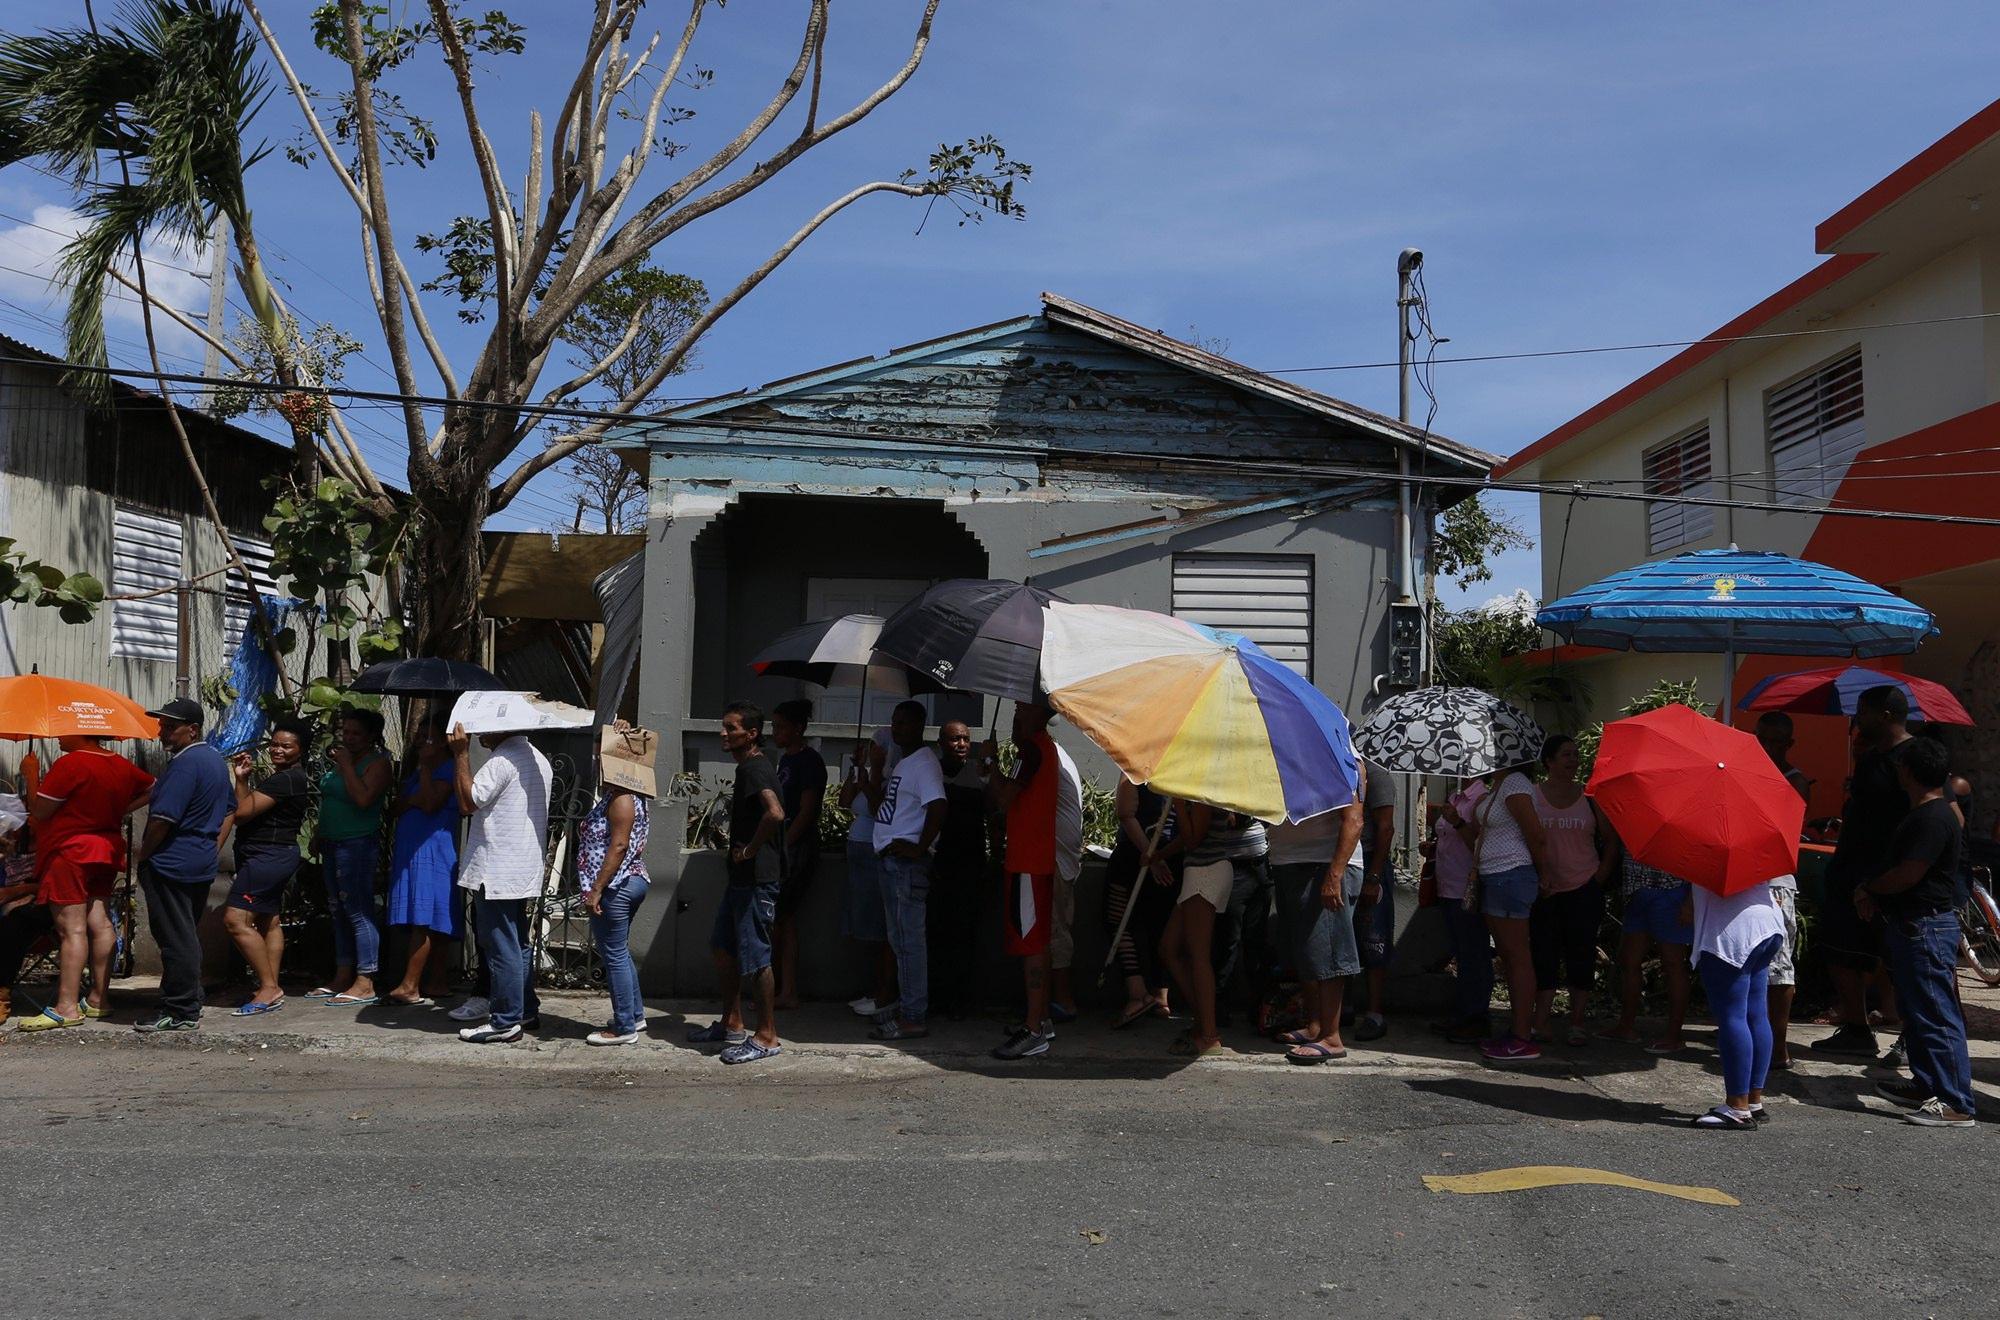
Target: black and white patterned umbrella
1450, 731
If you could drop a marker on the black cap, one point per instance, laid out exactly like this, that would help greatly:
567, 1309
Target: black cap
182, 710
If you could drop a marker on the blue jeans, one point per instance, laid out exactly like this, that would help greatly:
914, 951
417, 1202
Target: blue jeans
1923, 964
861, 898
611, 928
502, 926
1739, 1000
1472, 950
906, 894
349, 868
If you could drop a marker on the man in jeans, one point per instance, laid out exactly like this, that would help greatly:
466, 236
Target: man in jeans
1375, 914
506, 836
741, 940
1875, 808
909, 813
1914, 896
191, 800
1775, 731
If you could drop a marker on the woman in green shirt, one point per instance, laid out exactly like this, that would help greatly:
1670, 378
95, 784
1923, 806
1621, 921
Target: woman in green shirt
352, 795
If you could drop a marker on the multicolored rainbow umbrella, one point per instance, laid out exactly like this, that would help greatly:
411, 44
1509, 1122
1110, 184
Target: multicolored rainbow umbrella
1198, 714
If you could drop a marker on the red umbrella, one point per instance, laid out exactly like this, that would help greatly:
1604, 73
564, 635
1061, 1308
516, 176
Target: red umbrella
1697, 799
1835, 691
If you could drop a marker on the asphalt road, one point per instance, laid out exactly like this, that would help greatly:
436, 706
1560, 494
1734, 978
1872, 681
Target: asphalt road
151, 1183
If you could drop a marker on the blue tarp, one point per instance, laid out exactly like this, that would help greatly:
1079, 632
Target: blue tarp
1745, 601
254, 675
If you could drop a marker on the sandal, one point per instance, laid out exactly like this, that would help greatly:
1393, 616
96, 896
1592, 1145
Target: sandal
345, 1000
1131, 1015
251, 1007
1186, 1048
92, 1012
421, 1001
48, 1020
1299, 1037
716, 1034
1723, 1119
1311, 1053
321, 992
749, 1051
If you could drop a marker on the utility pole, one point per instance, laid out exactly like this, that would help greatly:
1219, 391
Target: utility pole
1407, 266
218, 269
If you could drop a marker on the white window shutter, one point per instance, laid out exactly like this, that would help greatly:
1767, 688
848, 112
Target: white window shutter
1815, 427
146, 556
236, 604
1681, 466
1267, 598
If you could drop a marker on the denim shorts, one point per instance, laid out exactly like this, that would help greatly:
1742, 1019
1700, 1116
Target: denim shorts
743, 925
1510, 894
1319, 944
1784, 965
1657, 912
1375, 926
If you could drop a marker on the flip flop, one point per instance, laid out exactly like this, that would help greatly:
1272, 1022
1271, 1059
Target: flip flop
1310, 1053
750, 1051
46, 1020
421, 1001
251, 1008
1719, 1119
1298, 1037
350, 1001
1186, 1048
1129, 1016
320, 992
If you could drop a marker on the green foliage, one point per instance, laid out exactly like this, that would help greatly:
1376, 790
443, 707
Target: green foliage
173, 88
324, 544
24, 581
834, 821
1467, 535
1100, 814
975, 177
319, 358
1665, 692
1481, 648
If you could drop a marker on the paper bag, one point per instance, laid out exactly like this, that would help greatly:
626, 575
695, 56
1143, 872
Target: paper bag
625, 755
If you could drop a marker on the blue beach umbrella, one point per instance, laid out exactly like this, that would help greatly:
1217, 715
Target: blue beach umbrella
1739, 602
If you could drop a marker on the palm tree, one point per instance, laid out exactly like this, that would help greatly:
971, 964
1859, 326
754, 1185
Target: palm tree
171, 90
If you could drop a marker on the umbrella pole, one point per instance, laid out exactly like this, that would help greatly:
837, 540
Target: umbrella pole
1132, 899
1728, 706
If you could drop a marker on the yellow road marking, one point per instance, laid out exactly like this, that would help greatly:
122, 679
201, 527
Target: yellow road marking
1558, 1175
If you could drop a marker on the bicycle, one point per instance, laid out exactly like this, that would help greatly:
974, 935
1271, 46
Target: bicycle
1979, 927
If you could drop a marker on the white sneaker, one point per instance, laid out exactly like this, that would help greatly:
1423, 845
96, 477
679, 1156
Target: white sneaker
474, 1009
612, 1038
864, 1006
490, 1034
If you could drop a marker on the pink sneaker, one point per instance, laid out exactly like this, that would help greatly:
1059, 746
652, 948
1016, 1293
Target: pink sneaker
1510, 1049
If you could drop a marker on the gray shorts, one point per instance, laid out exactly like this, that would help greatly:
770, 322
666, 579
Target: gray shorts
1319, 944
1784, 969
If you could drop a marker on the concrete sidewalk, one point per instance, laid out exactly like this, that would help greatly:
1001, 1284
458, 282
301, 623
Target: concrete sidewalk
826, 1043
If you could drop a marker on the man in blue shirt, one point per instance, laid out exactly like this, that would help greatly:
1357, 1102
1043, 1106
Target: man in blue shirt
192, 799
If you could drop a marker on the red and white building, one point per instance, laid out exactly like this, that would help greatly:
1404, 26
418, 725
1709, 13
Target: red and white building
1870, 382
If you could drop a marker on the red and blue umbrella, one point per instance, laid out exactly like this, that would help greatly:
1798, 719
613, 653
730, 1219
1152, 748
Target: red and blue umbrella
1838, 690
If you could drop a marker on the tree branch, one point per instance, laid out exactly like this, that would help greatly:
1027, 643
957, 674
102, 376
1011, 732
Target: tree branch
186, 323
623, 409
499, 205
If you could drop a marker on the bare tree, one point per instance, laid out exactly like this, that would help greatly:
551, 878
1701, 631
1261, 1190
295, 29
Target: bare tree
586, 210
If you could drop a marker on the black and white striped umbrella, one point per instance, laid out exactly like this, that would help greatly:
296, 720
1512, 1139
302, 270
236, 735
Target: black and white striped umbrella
1451, 731
840, 653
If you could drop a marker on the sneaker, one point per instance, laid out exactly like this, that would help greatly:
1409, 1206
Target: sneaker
165, 1022
1910, 1095
491, 1035
1510, 1049
1850, 1039
1896, 1058
474, 1009
1024, 1044
868, 1008
1936, 1113
609, 1037
1370, 1026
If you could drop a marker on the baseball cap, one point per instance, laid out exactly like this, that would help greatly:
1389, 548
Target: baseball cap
182, 710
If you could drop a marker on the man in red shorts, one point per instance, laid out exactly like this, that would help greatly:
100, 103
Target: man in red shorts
79, 812
1029, 799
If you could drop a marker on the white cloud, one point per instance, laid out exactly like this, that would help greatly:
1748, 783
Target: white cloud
33, 298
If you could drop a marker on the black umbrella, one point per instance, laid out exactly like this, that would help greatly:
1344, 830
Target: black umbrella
974, 635
840, 652
426, 676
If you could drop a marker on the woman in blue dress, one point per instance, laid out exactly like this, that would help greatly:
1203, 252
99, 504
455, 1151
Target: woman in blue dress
423, 869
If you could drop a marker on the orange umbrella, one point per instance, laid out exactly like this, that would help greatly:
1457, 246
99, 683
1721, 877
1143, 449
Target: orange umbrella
40, 706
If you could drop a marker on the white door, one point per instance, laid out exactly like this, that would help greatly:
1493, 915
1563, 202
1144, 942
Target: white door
827, 597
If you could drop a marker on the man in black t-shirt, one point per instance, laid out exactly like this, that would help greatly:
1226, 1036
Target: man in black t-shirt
1914, 894
802, 791
1876, 805
958, 872
741, 941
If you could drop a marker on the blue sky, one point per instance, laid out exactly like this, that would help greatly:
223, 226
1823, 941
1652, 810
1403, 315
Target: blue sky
1578, 174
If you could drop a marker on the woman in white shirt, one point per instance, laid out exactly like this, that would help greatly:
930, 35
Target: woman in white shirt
1735, 939
1509, 860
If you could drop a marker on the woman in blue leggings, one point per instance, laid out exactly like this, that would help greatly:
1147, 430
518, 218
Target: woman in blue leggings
1735, 939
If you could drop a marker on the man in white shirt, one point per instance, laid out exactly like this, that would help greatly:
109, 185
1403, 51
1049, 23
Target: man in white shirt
909, 813
506, 841
1069, 865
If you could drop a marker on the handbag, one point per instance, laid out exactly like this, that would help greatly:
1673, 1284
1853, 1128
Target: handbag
625, 757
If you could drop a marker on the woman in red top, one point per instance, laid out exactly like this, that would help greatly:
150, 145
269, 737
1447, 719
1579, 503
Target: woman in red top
79, 812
